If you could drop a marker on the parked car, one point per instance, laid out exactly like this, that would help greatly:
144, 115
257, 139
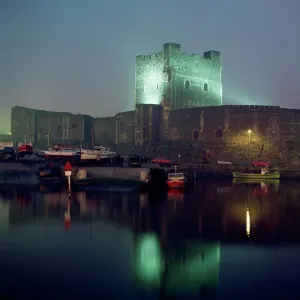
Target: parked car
134, 160
146, 160
224, 163
161, 161
260, 163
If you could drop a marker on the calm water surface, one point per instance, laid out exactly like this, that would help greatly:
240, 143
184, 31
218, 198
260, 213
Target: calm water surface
217, 241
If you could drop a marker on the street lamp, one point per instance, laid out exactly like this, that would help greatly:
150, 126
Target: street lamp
249, 140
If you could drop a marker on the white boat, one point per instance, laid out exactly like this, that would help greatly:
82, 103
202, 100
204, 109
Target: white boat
97, 153
61, 152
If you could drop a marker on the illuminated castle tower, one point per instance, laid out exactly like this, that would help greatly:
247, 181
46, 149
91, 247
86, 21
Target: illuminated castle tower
185, 80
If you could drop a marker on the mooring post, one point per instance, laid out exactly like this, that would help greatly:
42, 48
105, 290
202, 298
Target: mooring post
68, 174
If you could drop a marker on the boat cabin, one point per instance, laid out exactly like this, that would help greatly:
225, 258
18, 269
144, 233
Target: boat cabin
176, 176
222, 162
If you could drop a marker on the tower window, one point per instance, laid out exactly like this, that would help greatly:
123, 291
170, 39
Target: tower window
205, 87
187, 85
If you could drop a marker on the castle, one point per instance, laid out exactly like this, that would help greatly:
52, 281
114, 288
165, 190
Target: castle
178, 108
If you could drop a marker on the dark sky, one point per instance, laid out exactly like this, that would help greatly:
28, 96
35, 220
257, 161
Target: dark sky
79, 55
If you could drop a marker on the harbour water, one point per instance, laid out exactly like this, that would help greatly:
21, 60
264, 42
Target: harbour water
218, 240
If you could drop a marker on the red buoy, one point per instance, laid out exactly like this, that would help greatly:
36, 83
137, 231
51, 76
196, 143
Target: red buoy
68, 166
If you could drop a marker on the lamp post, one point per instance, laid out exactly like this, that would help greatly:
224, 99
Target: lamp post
249, 140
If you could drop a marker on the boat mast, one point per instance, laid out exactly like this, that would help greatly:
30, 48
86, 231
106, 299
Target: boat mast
63, 129
83, 130
48, 137
93, 134
26, 128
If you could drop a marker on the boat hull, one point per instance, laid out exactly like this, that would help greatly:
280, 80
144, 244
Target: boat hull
175, 184
254, 180
255, 176
59, 153
89, 156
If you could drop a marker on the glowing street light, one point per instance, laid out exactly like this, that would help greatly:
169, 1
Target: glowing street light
249, 140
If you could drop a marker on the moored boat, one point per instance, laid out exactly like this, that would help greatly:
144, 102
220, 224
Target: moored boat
97, 153
24, 149
67, 152
61, 154
265, 174
176, 180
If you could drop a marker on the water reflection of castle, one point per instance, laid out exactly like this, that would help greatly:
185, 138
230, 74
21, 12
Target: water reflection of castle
268, 213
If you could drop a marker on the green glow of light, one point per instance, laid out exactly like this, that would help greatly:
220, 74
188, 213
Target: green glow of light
149, 262
197, 266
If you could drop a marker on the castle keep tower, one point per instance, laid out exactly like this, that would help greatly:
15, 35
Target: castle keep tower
183, 79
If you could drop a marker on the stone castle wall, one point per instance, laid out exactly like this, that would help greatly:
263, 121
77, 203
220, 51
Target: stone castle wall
44, 128
274, 132
104, 130
157, 129
147, 125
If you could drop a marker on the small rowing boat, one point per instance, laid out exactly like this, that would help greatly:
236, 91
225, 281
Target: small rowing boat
265, 174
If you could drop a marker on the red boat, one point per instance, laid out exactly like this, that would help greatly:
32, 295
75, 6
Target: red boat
176, 180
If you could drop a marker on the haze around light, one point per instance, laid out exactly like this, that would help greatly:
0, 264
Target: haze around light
79, 55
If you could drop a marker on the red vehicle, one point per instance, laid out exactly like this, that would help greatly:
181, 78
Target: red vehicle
260, 164
162, 161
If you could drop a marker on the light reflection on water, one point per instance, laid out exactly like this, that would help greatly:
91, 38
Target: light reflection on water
219, 239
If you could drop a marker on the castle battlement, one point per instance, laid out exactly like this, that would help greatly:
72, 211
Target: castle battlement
149, 56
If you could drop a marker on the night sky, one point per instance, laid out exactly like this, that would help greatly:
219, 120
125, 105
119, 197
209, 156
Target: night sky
79, 55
